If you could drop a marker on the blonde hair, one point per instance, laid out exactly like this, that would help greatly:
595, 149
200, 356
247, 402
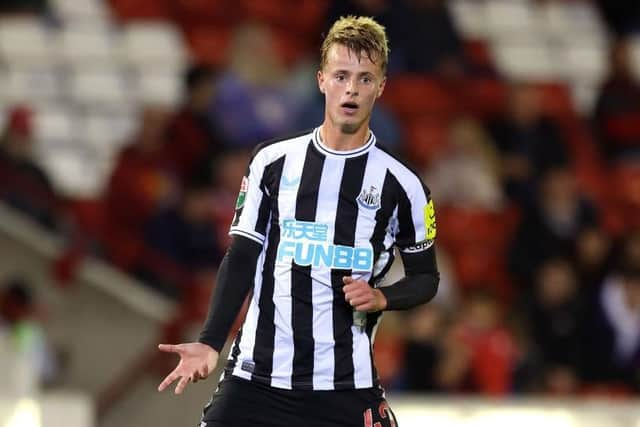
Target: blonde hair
359, 34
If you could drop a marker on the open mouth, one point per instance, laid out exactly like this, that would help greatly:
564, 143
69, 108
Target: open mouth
349, 107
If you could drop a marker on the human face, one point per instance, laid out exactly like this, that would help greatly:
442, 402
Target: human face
351, 86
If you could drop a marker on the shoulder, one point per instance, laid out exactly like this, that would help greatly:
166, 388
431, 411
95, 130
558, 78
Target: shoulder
406, 176
270, 150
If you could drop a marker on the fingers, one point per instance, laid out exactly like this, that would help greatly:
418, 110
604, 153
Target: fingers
347, 280
169, 348
181, 385
168, 380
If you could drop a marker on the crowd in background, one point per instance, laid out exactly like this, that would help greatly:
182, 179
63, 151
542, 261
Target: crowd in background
540, 283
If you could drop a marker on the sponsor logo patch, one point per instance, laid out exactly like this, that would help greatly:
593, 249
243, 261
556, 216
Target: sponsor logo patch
308, 243
242, 195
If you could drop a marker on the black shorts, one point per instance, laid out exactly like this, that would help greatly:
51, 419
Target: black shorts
242, 403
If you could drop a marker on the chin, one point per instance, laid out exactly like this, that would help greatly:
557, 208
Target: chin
349, 128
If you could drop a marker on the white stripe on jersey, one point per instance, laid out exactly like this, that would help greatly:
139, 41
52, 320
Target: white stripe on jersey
283, 343
322, 293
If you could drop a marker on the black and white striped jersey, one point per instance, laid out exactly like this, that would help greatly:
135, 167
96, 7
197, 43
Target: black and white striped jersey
321, 215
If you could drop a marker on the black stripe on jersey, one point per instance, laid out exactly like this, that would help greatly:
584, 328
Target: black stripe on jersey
301, 283
345, 233
372, 321
265, 329
406, 230
387, 204
234, 354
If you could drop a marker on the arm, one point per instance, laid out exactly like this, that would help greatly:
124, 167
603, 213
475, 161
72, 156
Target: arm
419, 286
235, 279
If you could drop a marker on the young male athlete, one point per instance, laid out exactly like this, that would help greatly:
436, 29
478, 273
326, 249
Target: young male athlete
317, 220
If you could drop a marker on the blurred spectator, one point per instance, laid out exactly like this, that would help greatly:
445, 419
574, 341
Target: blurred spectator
194, 138
423, 35
592, 259
23, 184
21, 332
480, 354
617, 112
186, 234
228, 171
556, 318
614, 328
551, 226
466, 174
141, 183
622, 16
530, 143
253, 102
23, 6
422, 349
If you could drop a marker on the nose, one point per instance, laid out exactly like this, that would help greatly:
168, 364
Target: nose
352, 87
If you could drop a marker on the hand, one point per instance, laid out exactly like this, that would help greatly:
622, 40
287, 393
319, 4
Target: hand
197, 361
363, 297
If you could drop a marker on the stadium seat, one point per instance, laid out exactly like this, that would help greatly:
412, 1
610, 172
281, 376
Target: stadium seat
484, 97
104, 88
24, 41
74, 172
567, 21
156, 43
530, 60
206, 13
425, 140
137, 10
410, 96
106, 133
35, 84
583, 62
158, 88
54, 124
209, 45
469, 17
84, 45
510, 18
90, 12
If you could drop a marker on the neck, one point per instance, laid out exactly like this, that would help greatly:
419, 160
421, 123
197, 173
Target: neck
335, 139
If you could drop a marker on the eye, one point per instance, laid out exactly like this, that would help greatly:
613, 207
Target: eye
340, 77
366, 79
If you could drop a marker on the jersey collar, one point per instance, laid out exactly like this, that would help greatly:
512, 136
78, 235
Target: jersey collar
317, 141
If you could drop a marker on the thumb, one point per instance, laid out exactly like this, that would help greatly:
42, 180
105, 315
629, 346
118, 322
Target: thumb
347, 280
169, 348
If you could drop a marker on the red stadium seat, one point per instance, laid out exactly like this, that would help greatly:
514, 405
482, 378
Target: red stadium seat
198, 13
556, 100
410, 96
484, 97
210, 45
131, 10
426, 139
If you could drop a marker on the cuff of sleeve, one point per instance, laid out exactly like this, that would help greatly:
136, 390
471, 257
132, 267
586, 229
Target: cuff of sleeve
256, 237
215, 343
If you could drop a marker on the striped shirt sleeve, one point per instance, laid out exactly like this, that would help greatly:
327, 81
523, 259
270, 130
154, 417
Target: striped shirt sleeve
252, 205
415, 216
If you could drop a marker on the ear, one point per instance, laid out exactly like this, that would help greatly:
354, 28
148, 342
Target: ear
320, 77
381, 87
